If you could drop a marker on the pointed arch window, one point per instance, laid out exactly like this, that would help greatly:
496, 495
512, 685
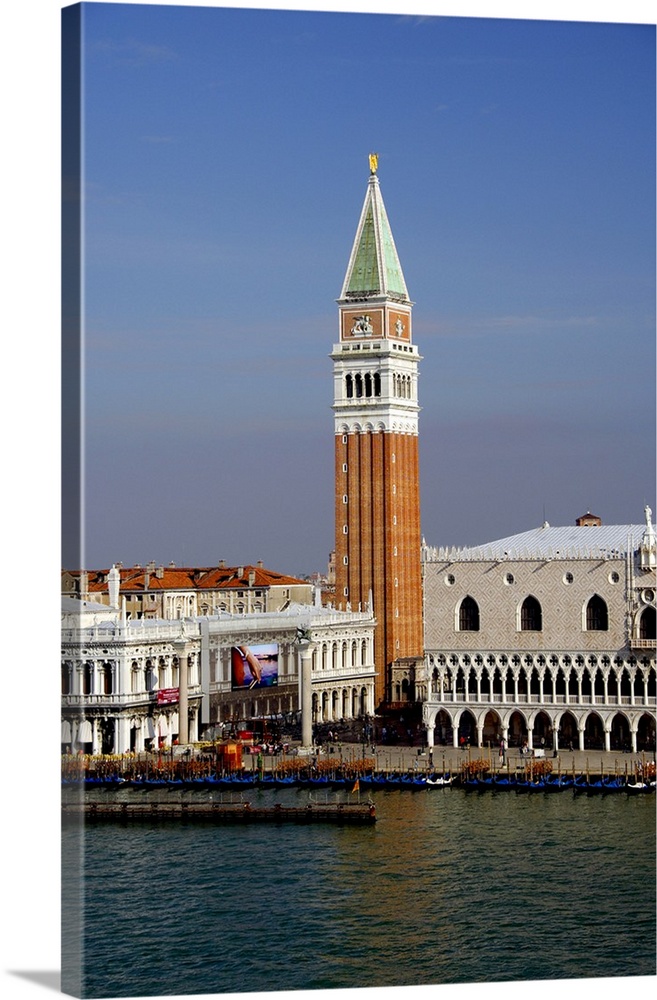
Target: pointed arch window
647, 624
469, 615
597, 615
531, 615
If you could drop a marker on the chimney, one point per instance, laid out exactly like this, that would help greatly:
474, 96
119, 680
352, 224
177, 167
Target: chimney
252, 578
159, 573
222, 564
588, 520
260, 564
240, 571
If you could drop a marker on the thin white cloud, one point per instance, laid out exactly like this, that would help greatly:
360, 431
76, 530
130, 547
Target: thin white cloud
132, 52
524, 324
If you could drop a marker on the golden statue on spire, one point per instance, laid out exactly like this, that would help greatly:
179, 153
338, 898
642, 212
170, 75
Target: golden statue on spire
374, 162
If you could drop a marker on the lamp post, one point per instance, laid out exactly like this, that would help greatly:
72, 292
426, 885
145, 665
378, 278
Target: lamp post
303, 640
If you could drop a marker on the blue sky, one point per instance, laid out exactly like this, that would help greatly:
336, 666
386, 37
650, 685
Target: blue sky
487, 252
225, 166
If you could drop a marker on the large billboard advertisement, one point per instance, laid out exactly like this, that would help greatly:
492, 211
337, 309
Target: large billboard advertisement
253, 666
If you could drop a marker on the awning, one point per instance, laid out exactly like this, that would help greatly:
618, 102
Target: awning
174, 722
84, 732
66, 731
150, 729
163, 726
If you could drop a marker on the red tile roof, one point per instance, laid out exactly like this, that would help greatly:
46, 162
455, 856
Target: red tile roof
188, 578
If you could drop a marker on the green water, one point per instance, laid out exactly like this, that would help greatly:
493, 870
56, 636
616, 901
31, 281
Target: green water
447, 887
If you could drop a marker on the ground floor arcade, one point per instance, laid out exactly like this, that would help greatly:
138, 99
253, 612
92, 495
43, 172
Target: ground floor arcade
553, 729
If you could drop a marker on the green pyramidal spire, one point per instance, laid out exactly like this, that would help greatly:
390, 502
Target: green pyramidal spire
374, 269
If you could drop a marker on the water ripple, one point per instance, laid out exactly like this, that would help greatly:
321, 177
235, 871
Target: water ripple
446, 888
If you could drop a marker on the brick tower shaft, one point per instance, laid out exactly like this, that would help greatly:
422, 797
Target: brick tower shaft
377, 503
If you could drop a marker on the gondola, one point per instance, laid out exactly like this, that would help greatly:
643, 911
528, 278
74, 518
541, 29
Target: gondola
504, 783
284, 781
613, 785
637, 787
439, 781
580, 784
267, 781
536, 786
373, 780
194, 784
558, 783
471, 784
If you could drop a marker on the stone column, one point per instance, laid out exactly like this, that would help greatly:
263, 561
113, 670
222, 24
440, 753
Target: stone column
122, 734
607, 740
183, 702
429, 719
193, 727
480, 734
306, 695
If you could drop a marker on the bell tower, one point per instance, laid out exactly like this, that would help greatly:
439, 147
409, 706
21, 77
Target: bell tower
377, 497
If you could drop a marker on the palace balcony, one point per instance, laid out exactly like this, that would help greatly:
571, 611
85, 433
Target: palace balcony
547, 698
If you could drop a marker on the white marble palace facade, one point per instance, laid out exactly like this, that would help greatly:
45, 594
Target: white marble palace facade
122, 680
134, 685
547, 637
341, 650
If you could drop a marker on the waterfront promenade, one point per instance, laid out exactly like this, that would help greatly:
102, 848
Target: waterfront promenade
405, 758
390, 759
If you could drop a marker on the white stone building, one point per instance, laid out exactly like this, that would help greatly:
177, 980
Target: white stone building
134, 685
341, 650
547, 637
122, 680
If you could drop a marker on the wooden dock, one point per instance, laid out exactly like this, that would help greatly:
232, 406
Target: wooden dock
217, 813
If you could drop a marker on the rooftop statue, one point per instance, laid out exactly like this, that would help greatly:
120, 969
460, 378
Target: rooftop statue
374, 162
